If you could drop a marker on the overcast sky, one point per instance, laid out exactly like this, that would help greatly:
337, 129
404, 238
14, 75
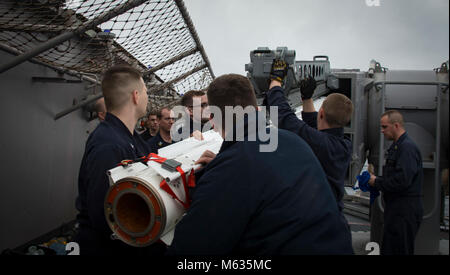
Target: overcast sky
400, 34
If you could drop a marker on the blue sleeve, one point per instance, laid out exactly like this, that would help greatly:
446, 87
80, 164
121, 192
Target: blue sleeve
99, 161
152, 145
143, 145
287, 120
402, 177
218, 215
310, 119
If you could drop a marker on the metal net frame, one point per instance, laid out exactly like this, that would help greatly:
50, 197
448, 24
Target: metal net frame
87, 37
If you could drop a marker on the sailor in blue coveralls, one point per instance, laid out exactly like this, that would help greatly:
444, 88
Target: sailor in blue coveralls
111, 142
323, 130
163, 138
151, 125
250, 202
194, 103
401, 185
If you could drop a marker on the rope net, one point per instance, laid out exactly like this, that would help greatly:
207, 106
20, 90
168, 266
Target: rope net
154, 36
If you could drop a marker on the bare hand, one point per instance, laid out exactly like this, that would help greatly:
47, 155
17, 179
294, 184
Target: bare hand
371, 168
197, 135
206, 158
372, 180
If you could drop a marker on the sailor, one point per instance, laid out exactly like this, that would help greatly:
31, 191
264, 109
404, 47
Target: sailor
250, 202
163, 138
401, 185
114, 140
323, 130
152, 126
195, 104
100, 109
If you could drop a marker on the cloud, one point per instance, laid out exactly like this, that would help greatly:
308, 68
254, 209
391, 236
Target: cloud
401, 34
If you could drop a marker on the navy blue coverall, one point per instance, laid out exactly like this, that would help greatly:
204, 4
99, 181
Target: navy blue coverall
146, 136
109, 144
252, 203
192, 126
330, 146
401, 185
157, 142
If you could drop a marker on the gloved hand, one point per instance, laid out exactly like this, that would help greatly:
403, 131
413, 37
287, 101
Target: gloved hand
363, 182
307, 87
279, 70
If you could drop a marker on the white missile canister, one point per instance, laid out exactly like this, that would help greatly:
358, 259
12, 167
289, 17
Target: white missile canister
146, 201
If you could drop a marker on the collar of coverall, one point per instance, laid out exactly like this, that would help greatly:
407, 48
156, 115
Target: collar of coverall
335, 131
400, 139
115, 121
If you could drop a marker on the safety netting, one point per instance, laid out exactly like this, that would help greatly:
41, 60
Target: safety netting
155, 36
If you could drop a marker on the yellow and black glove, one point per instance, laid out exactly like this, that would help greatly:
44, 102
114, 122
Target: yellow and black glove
279, 70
